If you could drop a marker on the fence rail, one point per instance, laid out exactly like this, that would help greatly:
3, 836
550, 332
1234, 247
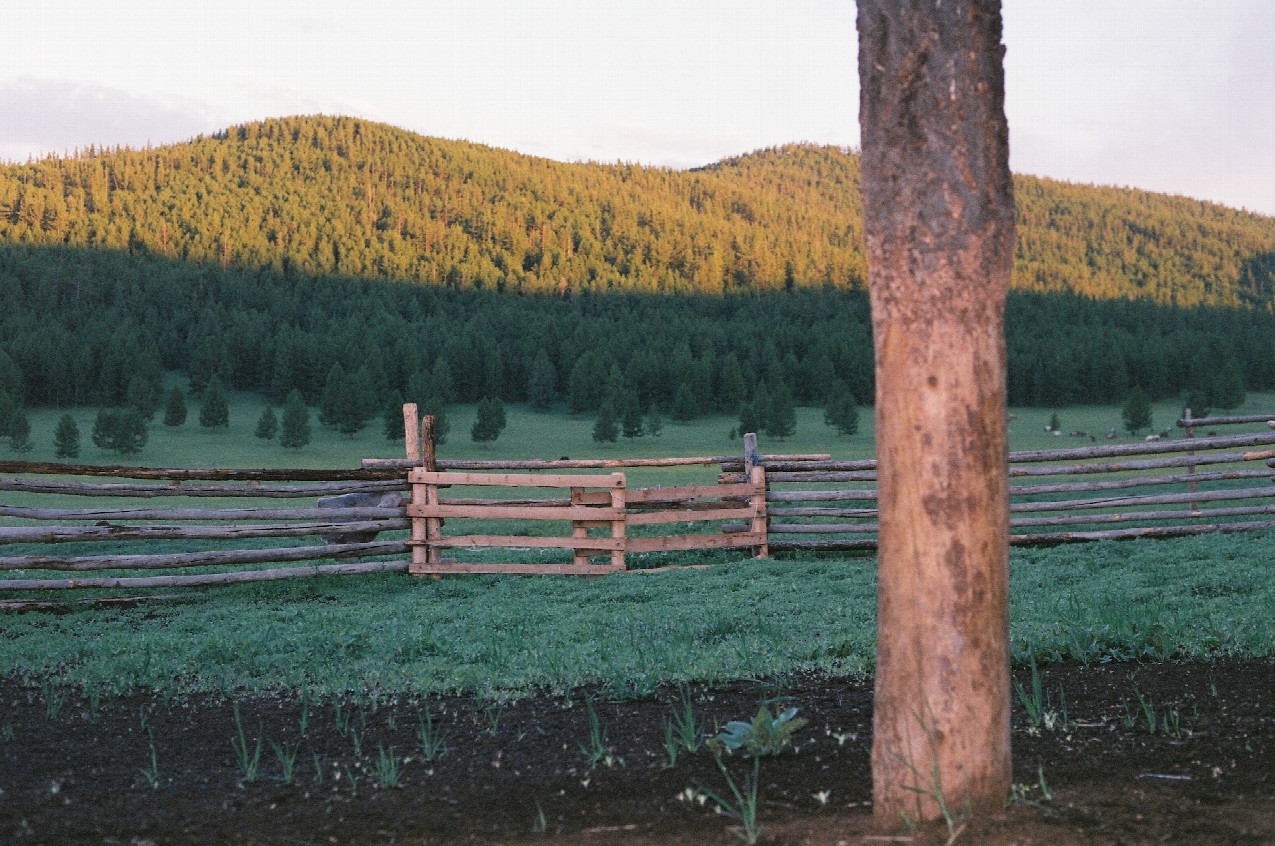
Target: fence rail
1163, 488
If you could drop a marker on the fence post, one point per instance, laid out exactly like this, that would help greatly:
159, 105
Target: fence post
618, 526
756, 475
1190, 433
433, 525
411, 431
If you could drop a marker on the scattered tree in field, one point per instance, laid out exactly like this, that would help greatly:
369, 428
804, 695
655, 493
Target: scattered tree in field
748, 419
489, 422
842, 412
331, 396
685, 406
8, 407
1137, 411
444, 386
654, 425
66, 438
1054, 424
175, 407
120, 431
781, 421
294, 429
543, 383
354, 403
1228, 387
442, 424
144, 392
393, 425
631, 416
606, 428
20, 432
1198, 403
267, 425
214, 412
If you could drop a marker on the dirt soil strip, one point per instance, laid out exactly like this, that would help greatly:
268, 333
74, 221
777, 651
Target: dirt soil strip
75, 771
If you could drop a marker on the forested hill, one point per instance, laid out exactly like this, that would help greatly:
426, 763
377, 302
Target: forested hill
309, 196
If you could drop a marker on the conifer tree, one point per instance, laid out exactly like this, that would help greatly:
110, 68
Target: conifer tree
20, 432
654, 425
1198, 402
105, 426
214, 412
393, 426
66, 438
1228, 386
606, 428
353, 403
175, 408
685, 406
294, 429
543, 382
842, 413
1137, 411
331, 396
267, 425
1054, 424
143, 393
444, 386
489, 421
8, 407
782, 419
442, 424
748, 420
130, 433
631, 415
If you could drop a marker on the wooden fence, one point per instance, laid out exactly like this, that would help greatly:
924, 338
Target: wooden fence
1154, 488
1163, 488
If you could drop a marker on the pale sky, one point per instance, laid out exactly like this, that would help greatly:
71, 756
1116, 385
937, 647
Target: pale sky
1166, 95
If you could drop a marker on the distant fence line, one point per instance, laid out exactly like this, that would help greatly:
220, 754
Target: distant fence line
760, 502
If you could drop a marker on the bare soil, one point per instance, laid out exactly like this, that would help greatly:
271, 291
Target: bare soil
72, 771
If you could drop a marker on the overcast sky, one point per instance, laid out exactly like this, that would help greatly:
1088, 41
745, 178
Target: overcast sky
1167, 95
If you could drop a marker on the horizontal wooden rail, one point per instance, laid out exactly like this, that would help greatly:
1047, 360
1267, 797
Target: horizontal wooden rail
297, 491
1268, 418
206, 558
1156, 499
523, 542
515, 480
577, 463
200, 579
42, 468
655, 518
69, 534
452, 567
1137, 482
671, 543
505, 512
685, 492
127, 514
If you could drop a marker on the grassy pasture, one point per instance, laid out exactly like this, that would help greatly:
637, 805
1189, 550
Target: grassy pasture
376, 635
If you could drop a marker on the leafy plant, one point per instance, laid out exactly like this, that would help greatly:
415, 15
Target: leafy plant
688, 730
432, 740
387, 768
765, 735
248, 761
598, 750
151, 773
54, 699
743, 804
287, 756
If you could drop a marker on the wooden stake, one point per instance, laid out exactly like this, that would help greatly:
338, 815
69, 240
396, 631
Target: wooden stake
938, 217
412, 439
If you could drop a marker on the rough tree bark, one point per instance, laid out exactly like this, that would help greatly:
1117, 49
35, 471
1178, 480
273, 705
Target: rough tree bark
939, 222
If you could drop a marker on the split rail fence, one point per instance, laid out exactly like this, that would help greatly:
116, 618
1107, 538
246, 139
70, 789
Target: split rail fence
1189, 485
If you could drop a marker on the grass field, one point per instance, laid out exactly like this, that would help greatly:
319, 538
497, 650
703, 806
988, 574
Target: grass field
380, 635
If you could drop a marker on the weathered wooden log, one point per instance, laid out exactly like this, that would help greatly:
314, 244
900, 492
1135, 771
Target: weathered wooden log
823, 512
142, 491
823, 528
130, 514
573, 464
819, 496
240, 577
1136, 482
61, 605
69, 534
1138, 464
1226, 421
807, 463
1142, 516
1155, 499
806, 477
207, 558
1142, 448
43, 468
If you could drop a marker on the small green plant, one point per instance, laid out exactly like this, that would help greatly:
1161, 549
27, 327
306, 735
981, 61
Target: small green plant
287, 756
672, 745
765, 735
598, 750
305, 716
432, 740
387, 773
743, 804
542, 823
342, 721
1171, 724
248, 761
934, 787
493, 711
54, 699
1148, 710
1033, 703
94, 695
151, 773
356, 739
688, 730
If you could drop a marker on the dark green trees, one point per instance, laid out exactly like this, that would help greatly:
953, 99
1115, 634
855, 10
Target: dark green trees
66, 438
781, 422
174, 407
543, 383
214, 412
121, 431
294, 428
489, 422
267, 425
606, 427
392, 424
842, 413
19, 431
1137, 411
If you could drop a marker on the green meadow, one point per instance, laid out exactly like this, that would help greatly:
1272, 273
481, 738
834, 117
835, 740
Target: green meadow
387, 634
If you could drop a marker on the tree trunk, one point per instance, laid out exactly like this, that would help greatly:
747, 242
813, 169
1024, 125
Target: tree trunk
939, 223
